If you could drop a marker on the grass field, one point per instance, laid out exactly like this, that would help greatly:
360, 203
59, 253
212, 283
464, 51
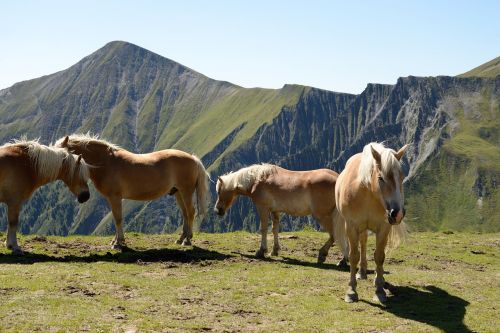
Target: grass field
441, 282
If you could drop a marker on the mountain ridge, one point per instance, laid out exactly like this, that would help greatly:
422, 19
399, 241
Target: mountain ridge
143, 102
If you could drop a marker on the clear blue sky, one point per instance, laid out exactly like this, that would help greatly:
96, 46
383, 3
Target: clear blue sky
334, 45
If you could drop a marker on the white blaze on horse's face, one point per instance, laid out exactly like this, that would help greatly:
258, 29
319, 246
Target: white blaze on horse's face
225, 197
388, 178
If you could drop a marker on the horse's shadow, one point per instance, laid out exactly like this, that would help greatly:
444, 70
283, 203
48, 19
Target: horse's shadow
434, 307
128, 255
298, 262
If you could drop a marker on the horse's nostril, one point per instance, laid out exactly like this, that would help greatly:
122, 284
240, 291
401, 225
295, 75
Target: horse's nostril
83, 196
393, 213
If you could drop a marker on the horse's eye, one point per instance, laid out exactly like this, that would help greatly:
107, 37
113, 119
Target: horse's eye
380, 179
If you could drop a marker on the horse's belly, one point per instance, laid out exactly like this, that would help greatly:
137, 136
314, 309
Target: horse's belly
294, 207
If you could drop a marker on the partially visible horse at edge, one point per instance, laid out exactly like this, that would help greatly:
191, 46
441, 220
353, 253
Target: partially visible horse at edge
119, 174
369, 195
274, 190
28, 165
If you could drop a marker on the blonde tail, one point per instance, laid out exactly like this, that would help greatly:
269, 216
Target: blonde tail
397, 236
202, 190
339, 233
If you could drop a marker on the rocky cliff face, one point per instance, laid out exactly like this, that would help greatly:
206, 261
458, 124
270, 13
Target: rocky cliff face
144, 102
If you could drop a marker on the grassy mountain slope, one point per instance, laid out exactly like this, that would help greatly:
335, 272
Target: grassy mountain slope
440, 283
489, 69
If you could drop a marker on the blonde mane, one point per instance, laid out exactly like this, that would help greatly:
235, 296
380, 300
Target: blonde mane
88, 138
246, 177
49, 160
388, 160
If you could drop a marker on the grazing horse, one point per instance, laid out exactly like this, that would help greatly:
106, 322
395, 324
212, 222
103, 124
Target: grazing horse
274, 190
119, 174
27, 165
369, 196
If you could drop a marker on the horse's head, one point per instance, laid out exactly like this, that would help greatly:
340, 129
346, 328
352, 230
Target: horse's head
387, 181
77, 178
225, 197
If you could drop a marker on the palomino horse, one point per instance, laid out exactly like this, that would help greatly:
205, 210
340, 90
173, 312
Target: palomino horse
369, 196
119, 174
27, 165
274, 190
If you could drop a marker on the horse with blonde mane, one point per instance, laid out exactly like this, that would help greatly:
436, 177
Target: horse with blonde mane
119, 174
370, 196
274, 190
27, 165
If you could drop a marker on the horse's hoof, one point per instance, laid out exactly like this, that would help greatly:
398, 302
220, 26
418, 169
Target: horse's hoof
351, 297
17, 251
186, 242
260, 254
321, 258
342, 264
179, 241
117, 246
274, 253
361, 275
380, 296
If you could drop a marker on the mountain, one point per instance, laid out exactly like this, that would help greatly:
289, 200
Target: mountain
489, 69
145, 102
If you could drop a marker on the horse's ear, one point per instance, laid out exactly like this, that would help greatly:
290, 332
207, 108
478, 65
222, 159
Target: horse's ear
376, 155
65, 141
79, 160
401, 152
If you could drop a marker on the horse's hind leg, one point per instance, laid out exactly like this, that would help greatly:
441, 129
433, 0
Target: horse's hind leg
363, 266
188, 212
180, 203
327, 224
13, 217
264, 221
276, 223
116, 208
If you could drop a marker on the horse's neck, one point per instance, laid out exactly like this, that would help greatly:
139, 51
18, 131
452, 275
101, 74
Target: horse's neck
96, 155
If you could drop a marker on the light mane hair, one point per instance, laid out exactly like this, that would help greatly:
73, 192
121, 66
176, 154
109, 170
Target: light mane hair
388, 160
88, 138
48, 160
246, 177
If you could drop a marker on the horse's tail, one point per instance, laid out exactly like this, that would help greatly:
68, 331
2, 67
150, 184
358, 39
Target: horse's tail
202, 189
339, 233
397, 236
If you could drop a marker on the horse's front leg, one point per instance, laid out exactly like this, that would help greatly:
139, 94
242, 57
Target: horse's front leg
353, 235
382, 235
264, 222
276, 222
363, 266
13, 219
116, 208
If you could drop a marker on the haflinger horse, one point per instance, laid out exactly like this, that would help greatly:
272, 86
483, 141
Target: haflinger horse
27, 165
274, 190
369, 195
119, 174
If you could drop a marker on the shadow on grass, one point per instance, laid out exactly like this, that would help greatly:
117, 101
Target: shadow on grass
298, 262
434, 307
193, 255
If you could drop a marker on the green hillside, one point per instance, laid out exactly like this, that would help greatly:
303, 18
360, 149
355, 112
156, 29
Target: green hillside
489, 69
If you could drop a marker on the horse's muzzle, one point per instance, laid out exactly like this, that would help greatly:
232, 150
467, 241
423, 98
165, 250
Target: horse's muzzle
83, 196
395, 216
